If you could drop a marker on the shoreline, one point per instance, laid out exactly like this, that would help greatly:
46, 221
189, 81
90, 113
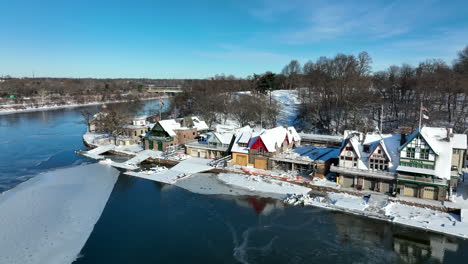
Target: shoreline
323, 189
56, 107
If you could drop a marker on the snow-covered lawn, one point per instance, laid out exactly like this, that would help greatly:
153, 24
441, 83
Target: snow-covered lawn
48, 218
261, 184
289, 101
348, 202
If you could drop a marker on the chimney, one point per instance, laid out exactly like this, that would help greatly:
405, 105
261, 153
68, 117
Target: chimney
449, 133
402, 139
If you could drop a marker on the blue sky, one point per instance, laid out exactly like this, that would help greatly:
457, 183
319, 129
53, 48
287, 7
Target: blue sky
198, 39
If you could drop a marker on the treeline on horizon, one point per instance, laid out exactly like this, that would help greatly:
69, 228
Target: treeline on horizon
342, 92
337, 93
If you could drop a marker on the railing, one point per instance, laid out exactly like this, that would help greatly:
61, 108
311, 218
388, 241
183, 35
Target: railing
422, 179
364, 173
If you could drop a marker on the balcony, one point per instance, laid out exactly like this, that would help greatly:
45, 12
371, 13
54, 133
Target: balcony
204, 145
364, 173
422, 180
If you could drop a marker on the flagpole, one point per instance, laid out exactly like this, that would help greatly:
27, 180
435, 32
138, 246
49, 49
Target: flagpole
420, 116
160, 108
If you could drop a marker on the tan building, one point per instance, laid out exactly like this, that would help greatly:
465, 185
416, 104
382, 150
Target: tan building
255, 149
211, 145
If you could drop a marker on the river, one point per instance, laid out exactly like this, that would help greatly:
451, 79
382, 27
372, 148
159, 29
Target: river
148, 222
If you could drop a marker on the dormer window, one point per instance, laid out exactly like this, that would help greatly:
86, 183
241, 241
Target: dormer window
366, 148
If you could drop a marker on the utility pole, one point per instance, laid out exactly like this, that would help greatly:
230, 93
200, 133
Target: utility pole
420, 116
160, 107
381, 118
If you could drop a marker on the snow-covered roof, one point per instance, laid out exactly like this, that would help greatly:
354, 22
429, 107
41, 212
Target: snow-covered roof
292, 133
225, 128
459, 141
322, 137
442, 142
389, 143
224, 138
169, 126
198, 124
243, 136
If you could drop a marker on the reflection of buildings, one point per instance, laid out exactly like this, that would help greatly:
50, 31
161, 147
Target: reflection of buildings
261, 206
411, 246
412, 249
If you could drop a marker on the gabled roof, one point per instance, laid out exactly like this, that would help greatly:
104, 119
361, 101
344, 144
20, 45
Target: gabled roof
442, 142
169, 126
224, 138
389, 143
198, 124
459, 141
243, 136
424, 135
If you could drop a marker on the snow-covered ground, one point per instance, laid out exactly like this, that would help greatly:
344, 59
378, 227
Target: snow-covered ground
427, 219
289, 101
48, 218
261, 184
6, 109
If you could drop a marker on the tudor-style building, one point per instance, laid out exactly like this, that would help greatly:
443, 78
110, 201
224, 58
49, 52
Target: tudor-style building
430, 166
368, 161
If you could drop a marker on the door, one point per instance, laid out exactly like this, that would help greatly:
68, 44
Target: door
260, 164
430, 193
241, 160
150, 144
367, 185
384, 187
347, 182
160, 145
410, 191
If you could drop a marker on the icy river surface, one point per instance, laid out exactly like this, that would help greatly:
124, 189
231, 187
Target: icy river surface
148, 222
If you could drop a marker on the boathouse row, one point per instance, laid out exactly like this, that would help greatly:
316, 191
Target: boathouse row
426, 164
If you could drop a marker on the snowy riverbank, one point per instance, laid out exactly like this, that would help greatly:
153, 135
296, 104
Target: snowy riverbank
8, 109
48, 218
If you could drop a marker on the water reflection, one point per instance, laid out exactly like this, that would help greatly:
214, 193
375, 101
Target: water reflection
412, 246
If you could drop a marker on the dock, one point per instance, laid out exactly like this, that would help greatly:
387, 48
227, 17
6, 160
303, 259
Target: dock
184, 169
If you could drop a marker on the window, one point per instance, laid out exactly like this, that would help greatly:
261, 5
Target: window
379, 151
349, 148
424, 154
355, 164
366, 148
349, 158
355, 159
342, 157
135, 133
194, 133
410, 152
371, 166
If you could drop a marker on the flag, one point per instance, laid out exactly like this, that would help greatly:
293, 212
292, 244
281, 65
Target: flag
425, 116
161, 101
424, 109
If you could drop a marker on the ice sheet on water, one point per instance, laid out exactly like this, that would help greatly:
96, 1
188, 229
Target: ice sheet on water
48, 218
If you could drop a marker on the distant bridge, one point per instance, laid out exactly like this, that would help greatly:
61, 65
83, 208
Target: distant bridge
166, 89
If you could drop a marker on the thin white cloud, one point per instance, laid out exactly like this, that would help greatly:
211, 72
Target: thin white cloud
315, 21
